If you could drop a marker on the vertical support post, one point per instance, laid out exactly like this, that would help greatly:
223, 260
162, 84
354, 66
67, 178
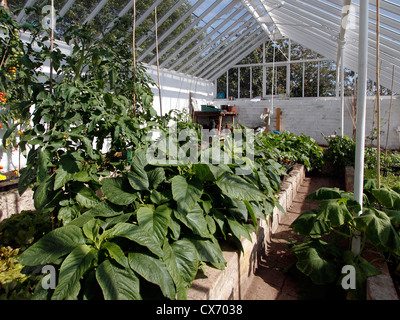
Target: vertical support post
342, 85
52, 25
158, 61
288, 68
264, 86
319, 78
278, 119
251, 82
238, 83
227, 85
304, 79
378, 93
361, 114
134, 57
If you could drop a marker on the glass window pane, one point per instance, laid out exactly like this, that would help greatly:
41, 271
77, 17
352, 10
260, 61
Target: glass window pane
245, 83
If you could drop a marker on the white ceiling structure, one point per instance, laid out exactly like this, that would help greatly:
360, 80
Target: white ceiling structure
224, 32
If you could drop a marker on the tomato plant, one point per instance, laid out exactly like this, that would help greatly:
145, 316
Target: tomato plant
19, 69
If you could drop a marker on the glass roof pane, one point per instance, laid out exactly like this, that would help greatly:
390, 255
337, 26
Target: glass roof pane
108, 13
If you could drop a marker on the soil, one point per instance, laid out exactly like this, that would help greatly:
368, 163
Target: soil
271, 281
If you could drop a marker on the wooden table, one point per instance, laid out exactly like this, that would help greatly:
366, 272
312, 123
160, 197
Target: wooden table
218, 114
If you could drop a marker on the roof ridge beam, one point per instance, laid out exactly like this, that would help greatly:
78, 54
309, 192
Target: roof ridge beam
249, 5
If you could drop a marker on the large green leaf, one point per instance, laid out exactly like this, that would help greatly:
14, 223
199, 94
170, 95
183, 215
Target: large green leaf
209, 251
334, 212
134, 233
156, 176
185, 193
118, 191
118, 283
182, 263
238, 230
186, 258
388, 198
378, 229
155, 221
237, 208
308, 225
325, 194
237, 188
137, 176
87, 198
154, 271
28, 175
195, 220
252, 214
116, 253
41, 195
100, 210
313, 260
72, 269
394, 216
52, 246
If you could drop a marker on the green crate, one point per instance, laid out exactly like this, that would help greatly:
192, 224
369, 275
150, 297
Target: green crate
206, 108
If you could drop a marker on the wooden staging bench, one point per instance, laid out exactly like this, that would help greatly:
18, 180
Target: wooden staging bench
219, 115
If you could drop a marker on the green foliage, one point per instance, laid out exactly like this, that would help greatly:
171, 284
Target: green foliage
341, 151
14, 284
19, 69
157, 233
288, 149
120, 224
337, 220
21, 230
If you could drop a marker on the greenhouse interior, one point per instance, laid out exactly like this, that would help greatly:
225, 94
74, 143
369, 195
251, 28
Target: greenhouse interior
199, 150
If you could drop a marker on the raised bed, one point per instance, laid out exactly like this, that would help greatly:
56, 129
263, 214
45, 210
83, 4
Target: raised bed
10, 201
233, 282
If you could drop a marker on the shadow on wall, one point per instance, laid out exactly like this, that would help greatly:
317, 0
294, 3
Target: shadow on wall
176, 88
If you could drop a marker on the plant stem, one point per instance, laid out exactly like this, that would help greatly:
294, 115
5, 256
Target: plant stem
341, 233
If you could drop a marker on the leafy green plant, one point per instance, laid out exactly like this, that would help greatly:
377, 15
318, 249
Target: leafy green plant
116, 219
22, 229
341, 151
288, 148
19, 69
154, 224
74, 118
14, 284
328, 232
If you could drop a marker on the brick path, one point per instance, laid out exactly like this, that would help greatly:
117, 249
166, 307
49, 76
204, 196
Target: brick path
270, 281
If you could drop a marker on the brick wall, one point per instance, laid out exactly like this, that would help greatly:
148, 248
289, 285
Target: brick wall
316, 116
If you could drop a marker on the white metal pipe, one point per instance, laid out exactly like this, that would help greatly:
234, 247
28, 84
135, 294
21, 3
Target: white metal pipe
342, 86
361, 114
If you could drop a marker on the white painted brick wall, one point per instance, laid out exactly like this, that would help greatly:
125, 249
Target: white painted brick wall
316, 116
